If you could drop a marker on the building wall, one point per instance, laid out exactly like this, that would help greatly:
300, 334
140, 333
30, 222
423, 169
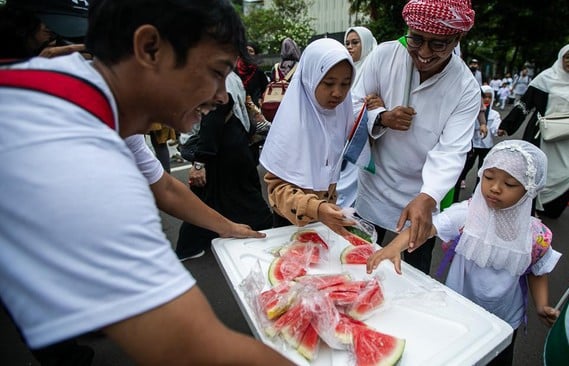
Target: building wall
330, 16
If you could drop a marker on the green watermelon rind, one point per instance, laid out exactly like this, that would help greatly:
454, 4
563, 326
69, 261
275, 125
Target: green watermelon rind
359, 233
395, 356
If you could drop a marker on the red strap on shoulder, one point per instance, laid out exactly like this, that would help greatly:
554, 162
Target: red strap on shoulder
73, 89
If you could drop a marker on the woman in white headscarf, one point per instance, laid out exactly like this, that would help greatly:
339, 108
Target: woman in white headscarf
302, 152
359, 42
547, 93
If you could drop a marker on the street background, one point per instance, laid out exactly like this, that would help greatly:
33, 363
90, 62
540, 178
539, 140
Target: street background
529, 342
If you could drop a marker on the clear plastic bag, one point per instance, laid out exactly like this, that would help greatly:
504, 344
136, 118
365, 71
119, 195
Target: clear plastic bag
363, 228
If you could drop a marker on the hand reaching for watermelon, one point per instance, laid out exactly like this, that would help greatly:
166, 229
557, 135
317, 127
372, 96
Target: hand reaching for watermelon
391, 251
420, 212
333, 217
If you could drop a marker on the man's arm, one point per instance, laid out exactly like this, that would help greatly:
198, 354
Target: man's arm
174, 198
172, 335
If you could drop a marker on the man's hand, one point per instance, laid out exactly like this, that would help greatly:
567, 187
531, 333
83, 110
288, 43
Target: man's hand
332, 216
197, 177
240, 231
399, 118
420, 212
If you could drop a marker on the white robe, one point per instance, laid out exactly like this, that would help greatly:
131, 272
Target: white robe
427, 158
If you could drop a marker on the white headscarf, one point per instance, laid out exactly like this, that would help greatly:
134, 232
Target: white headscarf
235, 87
502, 239
305, 142
554, 80
368, 43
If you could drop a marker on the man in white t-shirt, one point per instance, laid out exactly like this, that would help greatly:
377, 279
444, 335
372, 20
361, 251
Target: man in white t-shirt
422, 135
82, 243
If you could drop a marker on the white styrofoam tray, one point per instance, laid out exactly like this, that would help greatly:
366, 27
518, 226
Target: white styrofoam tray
440, 326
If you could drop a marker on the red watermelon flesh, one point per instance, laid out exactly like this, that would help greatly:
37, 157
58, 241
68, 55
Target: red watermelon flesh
356, 254
344, 328
324, 281
373, 348
300, 249
277, 300
285, 268
307, 236
356, 240
294, 323
309, 343
369, 299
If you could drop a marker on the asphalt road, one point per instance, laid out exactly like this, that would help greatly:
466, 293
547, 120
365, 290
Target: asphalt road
529, 343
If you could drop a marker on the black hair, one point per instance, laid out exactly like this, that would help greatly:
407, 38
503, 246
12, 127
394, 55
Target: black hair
182, 23
17, 27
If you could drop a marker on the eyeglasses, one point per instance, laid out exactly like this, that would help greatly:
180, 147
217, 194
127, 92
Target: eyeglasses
436, 45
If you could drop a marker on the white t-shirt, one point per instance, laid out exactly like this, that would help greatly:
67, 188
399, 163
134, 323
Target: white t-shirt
429, 156
81, 238
145, 159
495, 290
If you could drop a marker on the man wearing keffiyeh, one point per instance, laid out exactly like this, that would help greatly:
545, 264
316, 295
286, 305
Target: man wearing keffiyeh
421, 136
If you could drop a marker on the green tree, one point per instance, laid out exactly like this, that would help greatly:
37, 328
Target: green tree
285, 18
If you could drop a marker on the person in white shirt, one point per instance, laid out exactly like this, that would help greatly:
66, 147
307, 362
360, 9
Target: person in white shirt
82, 244
420, 144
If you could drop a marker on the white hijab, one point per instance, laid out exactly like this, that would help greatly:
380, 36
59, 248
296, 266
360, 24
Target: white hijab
502, 239
235, 87
368, 43
554, 80
305, 142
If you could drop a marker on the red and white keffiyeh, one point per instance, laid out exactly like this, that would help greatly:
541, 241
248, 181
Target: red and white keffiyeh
442, 17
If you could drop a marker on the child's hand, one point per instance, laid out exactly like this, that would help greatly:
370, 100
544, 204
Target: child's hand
548, 315
373, 101
389, 252
333, 217
392, 251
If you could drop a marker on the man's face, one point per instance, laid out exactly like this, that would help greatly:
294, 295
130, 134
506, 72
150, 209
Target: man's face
427, 61
186, 93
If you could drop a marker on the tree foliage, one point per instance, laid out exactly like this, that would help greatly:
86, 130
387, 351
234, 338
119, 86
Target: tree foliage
285, 18
506, 33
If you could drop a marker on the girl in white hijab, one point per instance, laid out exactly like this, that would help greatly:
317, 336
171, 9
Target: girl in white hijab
302, 152
500, 248
547, 93
359, 42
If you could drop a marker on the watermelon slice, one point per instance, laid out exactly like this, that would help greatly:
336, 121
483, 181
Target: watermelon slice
285, 268
306, 236
324, 281
356, 240
363, 237
373, 348
277, 300
369, 299
292, 324
344, 328
356, 254
309, 343
300, 249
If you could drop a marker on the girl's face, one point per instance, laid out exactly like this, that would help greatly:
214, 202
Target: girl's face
487, 99
354, 46
500, 189
334, 86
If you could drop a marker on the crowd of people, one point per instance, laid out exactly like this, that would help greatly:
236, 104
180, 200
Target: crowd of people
100, 257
